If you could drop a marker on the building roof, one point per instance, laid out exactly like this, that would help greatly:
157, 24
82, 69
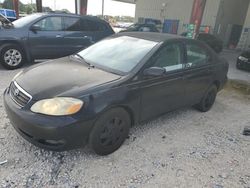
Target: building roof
127, 1
153, 36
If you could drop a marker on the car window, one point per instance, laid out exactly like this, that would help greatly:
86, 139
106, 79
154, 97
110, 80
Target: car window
196, 55
50, 24
169, 57
73, 24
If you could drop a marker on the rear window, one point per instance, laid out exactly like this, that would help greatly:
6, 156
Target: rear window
95, 25
73, 24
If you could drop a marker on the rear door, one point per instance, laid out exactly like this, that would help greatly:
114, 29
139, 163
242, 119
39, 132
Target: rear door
198, 72
98, 29
77, 35
47, 42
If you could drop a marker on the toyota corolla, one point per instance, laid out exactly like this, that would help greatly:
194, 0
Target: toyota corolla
96, 95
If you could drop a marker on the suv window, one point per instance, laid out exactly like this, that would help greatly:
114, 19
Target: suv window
73, 24
169, 57
50, 24
95, 26
196, 55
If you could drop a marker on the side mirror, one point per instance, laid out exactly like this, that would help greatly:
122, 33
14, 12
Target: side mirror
35, 28
154, 71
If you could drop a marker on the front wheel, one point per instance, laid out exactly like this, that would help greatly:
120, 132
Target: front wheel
208, 99
12, 56
110, 131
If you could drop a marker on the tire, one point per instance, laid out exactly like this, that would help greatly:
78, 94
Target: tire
208, 99
12, 56
110, 131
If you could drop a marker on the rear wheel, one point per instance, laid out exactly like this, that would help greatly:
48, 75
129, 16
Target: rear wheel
12, 56
208, 99
110, 131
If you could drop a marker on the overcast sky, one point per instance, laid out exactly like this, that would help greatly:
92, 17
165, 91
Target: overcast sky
94, 6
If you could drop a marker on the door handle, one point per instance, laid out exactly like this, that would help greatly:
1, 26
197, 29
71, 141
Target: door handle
89, 38
58, 36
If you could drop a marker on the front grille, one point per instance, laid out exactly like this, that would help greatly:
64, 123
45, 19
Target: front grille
19, 95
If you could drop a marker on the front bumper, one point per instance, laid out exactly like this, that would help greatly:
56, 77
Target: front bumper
243, 65
48, 132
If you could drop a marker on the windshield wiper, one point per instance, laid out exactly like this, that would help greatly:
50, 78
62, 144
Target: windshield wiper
84, 60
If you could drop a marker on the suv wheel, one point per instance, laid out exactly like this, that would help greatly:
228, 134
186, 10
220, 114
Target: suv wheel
12, 56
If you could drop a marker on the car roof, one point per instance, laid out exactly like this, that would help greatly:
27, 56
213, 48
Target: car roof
152, 36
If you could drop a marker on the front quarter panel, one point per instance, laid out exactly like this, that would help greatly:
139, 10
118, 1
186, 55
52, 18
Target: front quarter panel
125, 96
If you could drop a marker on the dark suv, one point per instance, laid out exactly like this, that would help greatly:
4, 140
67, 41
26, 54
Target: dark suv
47, 36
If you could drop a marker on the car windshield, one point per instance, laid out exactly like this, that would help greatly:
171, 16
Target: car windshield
25, 20
120, 54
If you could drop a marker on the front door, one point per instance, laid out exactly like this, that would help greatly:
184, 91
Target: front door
47, 41
164, 93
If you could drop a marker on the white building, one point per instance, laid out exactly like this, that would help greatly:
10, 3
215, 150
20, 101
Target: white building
228, 19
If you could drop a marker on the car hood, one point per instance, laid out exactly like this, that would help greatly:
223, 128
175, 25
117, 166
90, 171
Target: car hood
62, 77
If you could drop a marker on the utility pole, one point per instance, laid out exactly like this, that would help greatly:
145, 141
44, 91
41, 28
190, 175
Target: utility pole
54, 5
39, 6
102, 8
197, 14
16, 7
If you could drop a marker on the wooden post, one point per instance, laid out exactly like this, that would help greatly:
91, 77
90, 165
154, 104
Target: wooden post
16, 7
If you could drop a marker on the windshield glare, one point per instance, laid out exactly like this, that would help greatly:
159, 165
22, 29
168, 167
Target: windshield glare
25, 20
121, 54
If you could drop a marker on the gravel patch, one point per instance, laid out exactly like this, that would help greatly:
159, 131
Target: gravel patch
184, 148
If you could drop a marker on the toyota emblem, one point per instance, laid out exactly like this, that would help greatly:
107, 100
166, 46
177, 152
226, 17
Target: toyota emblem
16, 92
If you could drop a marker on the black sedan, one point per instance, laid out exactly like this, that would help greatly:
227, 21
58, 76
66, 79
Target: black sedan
243, 61
96, 95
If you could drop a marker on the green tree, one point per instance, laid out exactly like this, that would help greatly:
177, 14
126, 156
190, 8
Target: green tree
8, 4
29, 9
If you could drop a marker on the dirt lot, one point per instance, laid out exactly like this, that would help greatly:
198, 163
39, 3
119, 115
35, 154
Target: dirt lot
185, 148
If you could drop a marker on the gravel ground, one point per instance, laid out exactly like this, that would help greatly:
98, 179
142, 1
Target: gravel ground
184, 148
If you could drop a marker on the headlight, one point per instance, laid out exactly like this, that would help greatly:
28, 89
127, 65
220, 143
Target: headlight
17, 75
59, 106
243, 59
